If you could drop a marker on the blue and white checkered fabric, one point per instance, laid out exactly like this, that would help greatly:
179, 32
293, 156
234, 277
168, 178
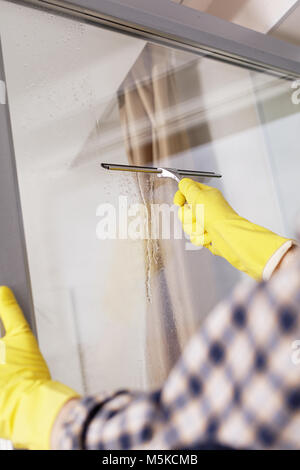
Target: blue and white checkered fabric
237, 383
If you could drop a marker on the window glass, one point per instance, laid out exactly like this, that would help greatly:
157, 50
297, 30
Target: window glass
117, 312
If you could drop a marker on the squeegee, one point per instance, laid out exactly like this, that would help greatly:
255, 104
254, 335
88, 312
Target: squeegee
172, 173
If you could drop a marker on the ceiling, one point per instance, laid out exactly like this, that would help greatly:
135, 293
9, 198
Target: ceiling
280, 17
288, 29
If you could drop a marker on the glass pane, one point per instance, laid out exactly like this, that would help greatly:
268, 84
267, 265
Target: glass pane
117, 312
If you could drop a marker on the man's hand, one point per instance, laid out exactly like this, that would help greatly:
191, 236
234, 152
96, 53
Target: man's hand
29, 400
248, 247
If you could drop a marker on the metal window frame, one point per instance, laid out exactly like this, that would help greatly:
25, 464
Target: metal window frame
14, 270
173, 24
160, 21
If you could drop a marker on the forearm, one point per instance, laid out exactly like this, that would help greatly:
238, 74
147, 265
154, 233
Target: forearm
285, 260
279, 259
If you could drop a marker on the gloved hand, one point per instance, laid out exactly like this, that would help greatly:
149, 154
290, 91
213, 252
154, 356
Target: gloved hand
29, 399
248, 247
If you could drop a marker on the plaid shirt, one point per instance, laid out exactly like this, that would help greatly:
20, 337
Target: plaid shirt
236, 384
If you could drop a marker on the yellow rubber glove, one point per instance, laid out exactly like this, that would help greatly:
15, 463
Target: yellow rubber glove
248, 247
29, 399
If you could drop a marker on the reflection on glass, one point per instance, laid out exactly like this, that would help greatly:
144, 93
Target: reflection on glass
118, 312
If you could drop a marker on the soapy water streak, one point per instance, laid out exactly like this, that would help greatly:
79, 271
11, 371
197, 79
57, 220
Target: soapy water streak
152, 246
143, 221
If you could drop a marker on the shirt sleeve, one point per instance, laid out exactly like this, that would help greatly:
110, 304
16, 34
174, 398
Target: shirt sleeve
236, 384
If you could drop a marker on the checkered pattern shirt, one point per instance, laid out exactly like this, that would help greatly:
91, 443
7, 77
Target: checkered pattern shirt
237, 383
